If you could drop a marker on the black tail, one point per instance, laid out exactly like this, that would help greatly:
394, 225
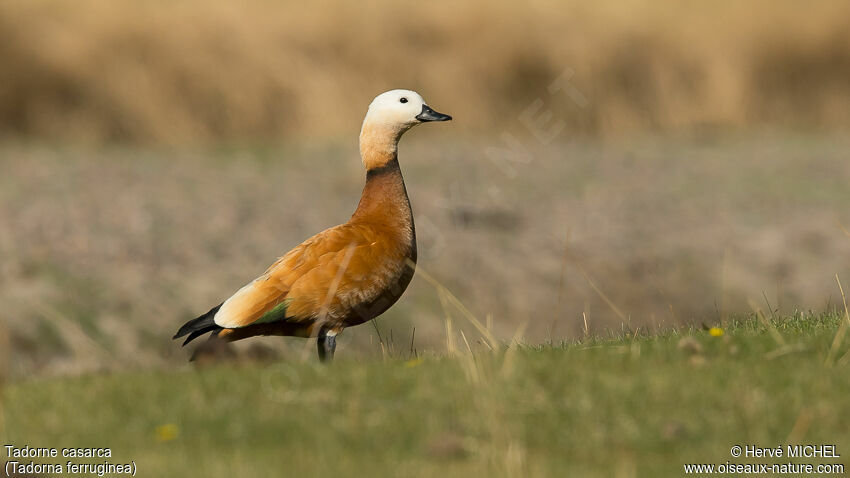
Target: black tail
197, 327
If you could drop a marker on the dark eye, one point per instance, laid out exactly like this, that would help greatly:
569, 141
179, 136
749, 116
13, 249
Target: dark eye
403, 100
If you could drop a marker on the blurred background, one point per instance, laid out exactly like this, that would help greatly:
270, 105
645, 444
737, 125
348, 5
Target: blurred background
611, 166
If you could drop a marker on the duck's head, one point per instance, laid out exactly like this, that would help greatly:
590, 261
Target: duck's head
390, 115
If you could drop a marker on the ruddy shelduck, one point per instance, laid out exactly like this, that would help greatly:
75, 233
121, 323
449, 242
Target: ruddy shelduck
345, 275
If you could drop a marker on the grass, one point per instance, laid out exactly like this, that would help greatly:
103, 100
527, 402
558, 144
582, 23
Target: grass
201, 72
629, 405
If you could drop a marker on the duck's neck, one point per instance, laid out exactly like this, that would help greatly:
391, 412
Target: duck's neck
379, 142
384, 200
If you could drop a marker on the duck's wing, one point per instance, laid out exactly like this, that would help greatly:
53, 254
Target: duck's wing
322, 276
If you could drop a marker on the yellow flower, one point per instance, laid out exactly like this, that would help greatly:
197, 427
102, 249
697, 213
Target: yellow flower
715, 332
413, 362
166, 432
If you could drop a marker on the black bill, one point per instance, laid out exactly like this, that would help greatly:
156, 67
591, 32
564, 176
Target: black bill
428, 114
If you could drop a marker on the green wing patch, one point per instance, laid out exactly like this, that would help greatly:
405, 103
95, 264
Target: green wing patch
276, 313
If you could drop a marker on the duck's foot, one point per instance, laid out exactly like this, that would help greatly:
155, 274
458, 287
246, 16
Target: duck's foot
326, 344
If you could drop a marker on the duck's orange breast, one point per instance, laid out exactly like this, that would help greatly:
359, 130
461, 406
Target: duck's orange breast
345, 275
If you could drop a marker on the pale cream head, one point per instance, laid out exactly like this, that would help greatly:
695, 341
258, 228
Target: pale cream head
390, 115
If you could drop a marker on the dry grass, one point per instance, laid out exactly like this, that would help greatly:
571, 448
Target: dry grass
108, 251
110, 248
198, 71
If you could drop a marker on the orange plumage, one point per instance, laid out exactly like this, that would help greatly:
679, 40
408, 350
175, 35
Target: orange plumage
347, 274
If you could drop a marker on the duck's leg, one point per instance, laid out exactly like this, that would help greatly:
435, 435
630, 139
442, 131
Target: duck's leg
326, 344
